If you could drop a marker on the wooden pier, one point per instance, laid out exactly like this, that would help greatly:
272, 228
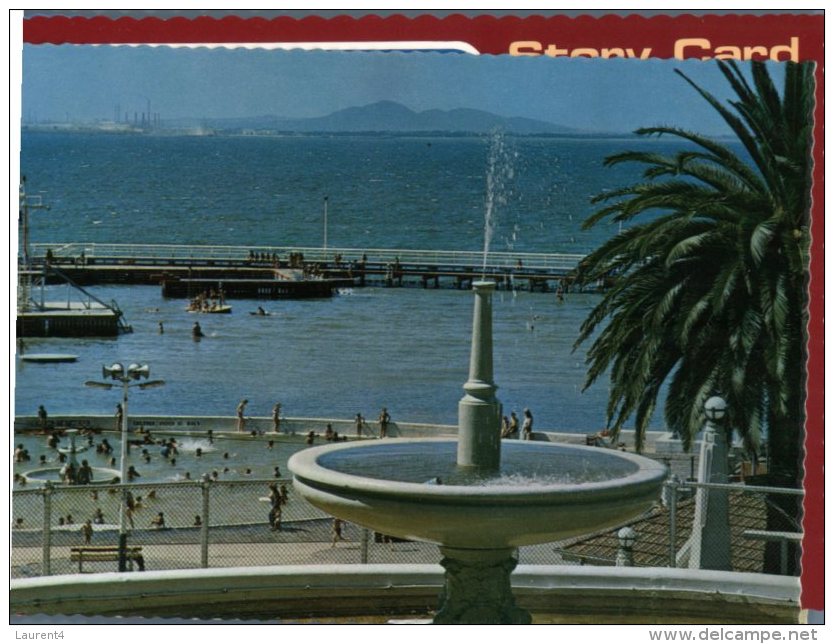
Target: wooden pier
254, 289
180, 267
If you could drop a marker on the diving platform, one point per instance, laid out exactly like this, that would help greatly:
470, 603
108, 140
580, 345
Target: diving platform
87, 316
71, 321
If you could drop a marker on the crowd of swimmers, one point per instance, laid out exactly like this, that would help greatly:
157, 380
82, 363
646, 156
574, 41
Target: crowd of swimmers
511, 427
168, 449
278, 495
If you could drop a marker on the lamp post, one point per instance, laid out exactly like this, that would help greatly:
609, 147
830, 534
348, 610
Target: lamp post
625, 555
117, 372
711, 521
326, 199
715, 408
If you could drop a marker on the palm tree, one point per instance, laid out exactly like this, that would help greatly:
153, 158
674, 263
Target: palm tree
709, 284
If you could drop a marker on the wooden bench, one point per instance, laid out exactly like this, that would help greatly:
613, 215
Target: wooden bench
106, 553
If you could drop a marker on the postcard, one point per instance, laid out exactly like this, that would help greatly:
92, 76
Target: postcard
412, 318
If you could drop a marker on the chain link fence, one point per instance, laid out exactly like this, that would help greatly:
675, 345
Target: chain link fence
59, 529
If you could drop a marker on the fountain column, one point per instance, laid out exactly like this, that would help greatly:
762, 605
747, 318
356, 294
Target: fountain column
477, 588
479, 412
72, 460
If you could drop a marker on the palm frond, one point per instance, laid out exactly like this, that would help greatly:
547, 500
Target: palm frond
709, 288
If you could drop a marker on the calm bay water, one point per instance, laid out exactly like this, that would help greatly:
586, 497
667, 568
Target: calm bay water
406, 349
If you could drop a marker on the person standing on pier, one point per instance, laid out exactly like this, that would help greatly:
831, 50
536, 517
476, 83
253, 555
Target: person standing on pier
527, 426
241, 421
359, 422
119, 416
384, 419
276, 418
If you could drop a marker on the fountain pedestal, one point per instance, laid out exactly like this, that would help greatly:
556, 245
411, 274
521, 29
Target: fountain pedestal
479, 412
477, 588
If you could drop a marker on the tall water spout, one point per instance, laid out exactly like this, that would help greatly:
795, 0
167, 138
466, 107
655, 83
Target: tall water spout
479, 412
499, 174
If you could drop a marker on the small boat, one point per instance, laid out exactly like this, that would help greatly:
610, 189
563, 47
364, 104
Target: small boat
219, 308
49, 357
260, 313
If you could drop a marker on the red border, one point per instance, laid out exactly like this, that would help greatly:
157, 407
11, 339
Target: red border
488, 34
813, 523
493, 35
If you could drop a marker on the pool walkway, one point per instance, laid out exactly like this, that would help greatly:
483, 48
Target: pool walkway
234, 546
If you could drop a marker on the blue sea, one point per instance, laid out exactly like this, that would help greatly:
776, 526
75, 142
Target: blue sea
406, 349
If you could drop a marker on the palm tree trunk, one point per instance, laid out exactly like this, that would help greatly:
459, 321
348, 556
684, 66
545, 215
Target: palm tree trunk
785, 451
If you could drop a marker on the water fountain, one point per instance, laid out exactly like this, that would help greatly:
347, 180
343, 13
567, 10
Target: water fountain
478, 497
55, 474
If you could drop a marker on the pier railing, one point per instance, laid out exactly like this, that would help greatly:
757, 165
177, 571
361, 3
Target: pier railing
166, 252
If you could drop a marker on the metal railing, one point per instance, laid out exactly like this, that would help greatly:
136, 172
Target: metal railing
167, 252
756, 516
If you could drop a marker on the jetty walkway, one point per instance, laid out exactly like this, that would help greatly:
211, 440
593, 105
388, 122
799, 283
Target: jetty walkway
93, 263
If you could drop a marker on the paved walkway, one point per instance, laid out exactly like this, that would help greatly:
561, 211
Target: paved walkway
285, 549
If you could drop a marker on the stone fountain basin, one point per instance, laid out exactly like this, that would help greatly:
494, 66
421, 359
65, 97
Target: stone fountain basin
101, 475
545, 491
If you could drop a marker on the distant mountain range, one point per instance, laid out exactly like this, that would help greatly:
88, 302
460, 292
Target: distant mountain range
385, 116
